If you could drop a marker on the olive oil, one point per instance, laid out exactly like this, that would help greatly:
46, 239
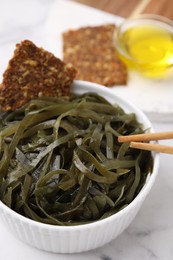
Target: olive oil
148, 48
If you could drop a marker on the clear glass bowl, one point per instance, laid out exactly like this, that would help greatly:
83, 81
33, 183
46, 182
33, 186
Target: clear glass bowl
145, 44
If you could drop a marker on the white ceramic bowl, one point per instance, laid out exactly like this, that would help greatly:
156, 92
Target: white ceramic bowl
73, 239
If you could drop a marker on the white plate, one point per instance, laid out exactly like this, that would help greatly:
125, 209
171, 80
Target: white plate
152, 96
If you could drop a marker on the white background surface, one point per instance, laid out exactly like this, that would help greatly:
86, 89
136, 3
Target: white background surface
150, 235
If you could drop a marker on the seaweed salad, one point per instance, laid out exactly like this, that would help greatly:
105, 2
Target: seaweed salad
61, 162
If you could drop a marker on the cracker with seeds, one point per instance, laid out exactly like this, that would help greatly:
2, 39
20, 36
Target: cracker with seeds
91, 51
33, 72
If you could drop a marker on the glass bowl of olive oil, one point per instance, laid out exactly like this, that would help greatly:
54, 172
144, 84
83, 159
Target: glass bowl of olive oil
145, 44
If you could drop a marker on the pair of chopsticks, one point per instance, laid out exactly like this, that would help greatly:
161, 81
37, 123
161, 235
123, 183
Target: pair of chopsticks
136, 141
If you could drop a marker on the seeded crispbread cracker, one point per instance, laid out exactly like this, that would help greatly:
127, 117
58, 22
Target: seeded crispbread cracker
91, 51
33, 72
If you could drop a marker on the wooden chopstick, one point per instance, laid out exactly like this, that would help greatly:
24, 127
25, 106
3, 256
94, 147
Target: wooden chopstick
146, 137
136, 141
152, 147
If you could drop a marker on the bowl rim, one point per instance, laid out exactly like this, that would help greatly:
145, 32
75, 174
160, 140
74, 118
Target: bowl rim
78, 85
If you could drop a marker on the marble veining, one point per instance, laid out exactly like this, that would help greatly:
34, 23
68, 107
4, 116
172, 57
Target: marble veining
150, 235
105, 257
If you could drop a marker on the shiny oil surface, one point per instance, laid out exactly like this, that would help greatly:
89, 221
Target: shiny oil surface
147, 48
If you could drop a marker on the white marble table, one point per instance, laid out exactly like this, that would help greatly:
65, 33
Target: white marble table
150, 235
